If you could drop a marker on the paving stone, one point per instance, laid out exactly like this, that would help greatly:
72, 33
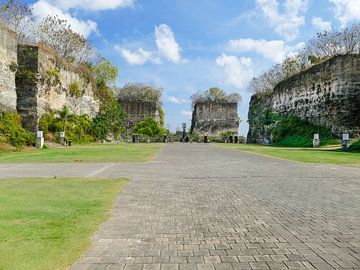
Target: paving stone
206, 207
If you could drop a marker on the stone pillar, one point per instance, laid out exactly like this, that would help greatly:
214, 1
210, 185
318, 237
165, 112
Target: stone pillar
39, 139
316, 140
345, 142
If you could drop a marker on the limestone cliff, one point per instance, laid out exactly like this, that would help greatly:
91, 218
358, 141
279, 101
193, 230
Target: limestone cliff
212, 118
8, 65
326, 95
44, 83
138, 110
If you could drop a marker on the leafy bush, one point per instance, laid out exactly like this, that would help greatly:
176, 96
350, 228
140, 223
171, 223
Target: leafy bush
355, 146
149, 128
11, 131
291, 130
74, 89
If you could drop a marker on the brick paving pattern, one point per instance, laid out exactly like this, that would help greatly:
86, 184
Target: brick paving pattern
207, 208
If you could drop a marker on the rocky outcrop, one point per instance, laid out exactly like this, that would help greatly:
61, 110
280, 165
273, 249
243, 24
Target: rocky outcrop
212, 118
138, 110
8, 65
326, 95
45, 83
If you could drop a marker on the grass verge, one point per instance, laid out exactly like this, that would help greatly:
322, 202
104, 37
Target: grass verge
47, 223
320, 155
84, 153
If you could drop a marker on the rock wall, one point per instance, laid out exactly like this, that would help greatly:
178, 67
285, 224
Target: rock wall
8, 65
215, 117
137, 111
46, 83
327, 95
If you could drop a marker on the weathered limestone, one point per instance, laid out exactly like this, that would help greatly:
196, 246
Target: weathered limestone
8, 65
211, 118
138, 110
45, 83
327, 95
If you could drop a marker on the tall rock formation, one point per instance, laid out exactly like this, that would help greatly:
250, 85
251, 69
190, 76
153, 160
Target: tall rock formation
8, 66
45, 83
214, 117
326, 95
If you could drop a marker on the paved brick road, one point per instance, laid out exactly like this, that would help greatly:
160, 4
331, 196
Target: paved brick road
203, 207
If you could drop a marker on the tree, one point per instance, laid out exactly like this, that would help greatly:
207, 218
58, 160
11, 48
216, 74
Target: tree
215, 94
57, 34
18, 17
104, 72
114, 117
140, 92
64, 115
149, 128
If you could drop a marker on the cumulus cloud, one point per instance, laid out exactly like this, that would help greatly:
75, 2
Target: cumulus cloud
238, 71
166, 43
139, 57
320, 24
288, 22
94, 5
167, 48
274, 50
176, 100
346, 10
42, 9
186, 113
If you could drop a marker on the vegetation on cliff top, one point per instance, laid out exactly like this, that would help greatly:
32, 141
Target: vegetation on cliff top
215, 94
320, 48
140, 92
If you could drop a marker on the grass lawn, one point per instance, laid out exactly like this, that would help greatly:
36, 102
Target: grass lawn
85, 153
47, 223
320, 155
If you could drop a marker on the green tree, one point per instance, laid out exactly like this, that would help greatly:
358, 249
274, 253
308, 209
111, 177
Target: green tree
149, 128
105, 73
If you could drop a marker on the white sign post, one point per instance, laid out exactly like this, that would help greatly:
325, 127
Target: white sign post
345, 142
62, 138
316, 140
40, 139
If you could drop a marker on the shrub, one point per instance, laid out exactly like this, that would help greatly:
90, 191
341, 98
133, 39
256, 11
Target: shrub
13, 133
74, 89
291, 130
355, 146
149, 128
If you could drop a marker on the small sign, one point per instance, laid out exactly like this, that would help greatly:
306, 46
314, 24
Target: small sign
316, 136
346, 137
39, 134
62, 134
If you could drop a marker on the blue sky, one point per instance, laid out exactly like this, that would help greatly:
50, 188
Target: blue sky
185, 46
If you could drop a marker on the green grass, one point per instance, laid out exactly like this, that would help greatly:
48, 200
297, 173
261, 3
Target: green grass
47, 223
84, 153
320, 155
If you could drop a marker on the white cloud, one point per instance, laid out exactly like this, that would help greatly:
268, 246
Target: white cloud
176, 100
288, 22
186, 113
167, 48
346, 10
94, 5
238, 70
139, 57
274, 50
42, 9
320, 24
166, 43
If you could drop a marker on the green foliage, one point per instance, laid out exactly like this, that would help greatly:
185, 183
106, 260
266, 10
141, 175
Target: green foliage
291, 130
25, 75
162, 117
74, 89
355, 146
54, 75
114, 117
11, 131
225, 135
149, 128
140, 92
100, 128
215, 94
104, 73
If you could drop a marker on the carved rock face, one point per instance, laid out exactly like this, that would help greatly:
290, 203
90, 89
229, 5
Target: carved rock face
327, 95
8, 65
213, 118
